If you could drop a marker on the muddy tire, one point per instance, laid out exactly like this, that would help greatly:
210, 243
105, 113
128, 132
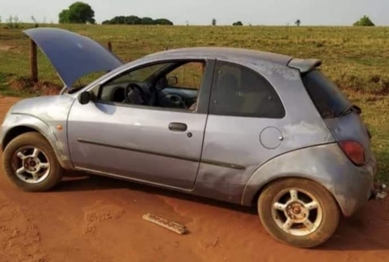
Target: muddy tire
298, 212
30, 163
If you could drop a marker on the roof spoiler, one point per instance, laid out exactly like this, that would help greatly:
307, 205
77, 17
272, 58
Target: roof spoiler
304, 65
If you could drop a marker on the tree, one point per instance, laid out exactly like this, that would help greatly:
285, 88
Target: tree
77, 13
147, 21
239, 23
214, 22
64, 16
116, 20
162, 21
133, 20
298, 22
13, 22
35, 21
364, 21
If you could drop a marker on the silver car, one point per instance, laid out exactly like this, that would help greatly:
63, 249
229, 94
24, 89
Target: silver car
241, 126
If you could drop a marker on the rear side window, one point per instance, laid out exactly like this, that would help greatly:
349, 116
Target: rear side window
240, 91
328, 99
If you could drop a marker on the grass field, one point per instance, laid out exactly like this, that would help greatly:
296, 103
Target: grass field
357, 59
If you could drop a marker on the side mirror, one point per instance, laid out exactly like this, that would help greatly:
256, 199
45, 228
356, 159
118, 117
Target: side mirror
172, 81
85, 97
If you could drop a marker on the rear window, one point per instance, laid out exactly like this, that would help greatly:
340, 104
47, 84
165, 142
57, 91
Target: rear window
239, 91
328, 99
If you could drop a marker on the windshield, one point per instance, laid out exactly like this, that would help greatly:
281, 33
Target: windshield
328, 99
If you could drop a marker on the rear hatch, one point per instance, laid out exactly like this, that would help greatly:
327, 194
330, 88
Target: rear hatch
341, 116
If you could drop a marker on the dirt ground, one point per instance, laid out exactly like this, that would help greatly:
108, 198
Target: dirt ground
100, 219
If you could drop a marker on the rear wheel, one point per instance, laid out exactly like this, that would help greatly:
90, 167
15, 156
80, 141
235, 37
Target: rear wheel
298, 212
30, 163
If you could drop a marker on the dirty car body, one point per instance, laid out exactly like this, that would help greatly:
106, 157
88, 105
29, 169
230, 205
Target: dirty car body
212, 150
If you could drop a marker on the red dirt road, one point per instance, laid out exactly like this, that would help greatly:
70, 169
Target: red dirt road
100, 219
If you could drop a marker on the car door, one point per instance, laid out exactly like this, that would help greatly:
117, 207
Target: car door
161, 146
243, 130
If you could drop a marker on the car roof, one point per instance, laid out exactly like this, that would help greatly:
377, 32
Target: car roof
224, 52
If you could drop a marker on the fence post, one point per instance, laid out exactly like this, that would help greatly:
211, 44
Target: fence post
33, 61
110, 46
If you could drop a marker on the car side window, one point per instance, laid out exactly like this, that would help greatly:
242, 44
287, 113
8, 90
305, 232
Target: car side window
188, 75
139, 75
169, 85
240, 91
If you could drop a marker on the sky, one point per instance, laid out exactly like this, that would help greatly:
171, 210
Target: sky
201, 12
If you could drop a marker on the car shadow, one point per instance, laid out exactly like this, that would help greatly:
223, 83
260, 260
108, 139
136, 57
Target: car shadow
359, 233
366, 230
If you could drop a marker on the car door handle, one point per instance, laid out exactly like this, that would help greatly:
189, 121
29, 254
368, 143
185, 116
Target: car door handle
178, 127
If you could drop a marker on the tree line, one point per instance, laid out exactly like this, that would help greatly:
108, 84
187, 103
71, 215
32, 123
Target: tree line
81, 13
134, 20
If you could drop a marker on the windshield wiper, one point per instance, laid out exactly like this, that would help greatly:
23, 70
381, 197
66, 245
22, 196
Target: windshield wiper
350, 109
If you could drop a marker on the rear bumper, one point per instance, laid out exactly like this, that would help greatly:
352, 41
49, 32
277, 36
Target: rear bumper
361, 189
378, 191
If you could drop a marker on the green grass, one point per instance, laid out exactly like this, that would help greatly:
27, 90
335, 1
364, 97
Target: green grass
375, 115
351, 56
357, 59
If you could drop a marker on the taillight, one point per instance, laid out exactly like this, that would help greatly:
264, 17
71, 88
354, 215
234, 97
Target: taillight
354, 151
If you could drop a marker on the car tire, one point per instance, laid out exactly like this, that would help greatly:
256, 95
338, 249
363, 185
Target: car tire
32, 154
298, 212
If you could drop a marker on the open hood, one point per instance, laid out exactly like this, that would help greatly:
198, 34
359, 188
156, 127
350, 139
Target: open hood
71, 54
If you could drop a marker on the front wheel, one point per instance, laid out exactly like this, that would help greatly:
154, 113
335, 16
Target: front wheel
30, 163
298, 212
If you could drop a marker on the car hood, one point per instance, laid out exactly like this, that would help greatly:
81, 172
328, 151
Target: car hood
71, 54
46, 108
